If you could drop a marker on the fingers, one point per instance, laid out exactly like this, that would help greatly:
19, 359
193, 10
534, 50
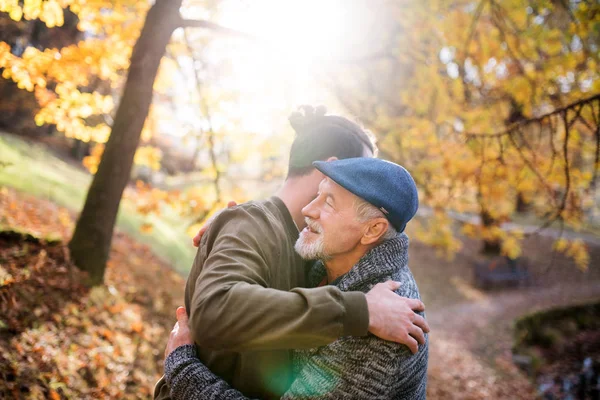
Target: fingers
174, 331
418, 334
204, 228
412, 344
181, 315
198, 236
421, 323
416, 305
393, 285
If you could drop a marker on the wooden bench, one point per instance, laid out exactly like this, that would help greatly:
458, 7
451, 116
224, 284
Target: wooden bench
501, 272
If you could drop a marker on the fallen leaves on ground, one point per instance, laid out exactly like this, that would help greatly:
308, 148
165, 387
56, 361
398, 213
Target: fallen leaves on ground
60, 340
457, 373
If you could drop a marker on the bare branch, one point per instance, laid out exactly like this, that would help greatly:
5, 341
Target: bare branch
474, 21
206, 113
597, 153
194, 23
566, 156
204, 24
509, 130
529, 164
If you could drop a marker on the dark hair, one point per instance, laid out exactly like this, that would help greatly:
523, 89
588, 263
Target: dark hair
320, 136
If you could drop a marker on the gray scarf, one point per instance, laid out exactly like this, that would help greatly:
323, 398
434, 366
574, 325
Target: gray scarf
386, 261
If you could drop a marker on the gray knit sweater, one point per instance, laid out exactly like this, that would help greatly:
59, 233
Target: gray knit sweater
349, 368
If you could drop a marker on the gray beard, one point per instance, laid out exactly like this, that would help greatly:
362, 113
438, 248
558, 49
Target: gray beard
312, 251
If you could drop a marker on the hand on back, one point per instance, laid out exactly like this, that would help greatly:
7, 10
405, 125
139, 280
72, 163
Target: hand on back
391, 317
394, 318
206, 225
180, 335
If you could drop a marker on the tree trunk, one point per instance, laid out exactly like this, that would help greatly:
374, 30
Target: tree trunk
91, 241
80, 149
490, 247
494, 247
522, 205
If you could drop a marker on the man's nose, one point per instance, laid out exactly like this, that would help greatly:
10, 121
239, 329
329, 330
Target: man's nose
310, 210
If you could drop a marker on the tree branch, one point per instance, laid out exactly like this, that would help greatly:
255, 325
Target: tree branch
596, 118
530, 165
204, 24
566, 167
195, 23
509, 130
206, 111
474, 21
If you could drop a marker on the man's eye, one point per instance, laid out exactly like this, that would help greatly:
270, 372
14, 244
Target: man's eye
329, 204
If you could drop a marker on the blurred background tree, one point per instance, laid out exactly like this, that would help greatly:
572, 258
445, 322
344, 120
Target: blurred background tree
466, 95
492, 105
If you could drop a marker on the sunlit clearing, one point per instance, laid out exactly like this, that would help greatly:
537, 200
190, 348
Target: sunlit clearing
291, 48
307, 31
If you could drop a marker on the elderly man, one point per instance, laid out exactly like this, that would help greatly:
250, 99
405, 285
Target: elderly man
354, 227
247, 296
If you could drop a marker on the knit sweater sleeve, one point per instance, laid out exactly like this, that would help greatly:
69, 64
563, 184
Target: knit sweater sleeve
189, 379
357, 368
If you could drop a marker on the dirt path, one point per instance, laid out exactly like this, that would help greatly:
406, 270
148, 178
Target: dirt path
480, 324
478, 333
471, 339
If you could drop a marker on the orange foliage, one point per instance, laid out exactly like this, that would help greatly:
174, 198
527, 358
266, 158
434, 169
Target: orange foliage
65, 341
447, 75
112, 29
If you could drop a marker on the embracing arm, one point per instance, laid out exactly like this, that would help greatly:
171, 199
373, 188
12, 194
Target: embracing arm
361, 368
349, 368
185, 376
364, 367
233, 308
189, 379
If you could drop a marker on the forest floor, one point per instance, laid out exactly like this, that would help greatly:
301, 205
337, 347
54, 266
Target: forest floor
61, 340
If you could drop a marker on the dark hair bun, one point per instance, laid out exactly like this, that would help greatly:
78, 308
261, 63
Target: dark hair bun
305, 117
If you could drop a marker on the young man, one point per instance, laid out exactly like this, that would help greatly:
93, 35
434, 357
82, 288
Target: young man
245, 295
352, 227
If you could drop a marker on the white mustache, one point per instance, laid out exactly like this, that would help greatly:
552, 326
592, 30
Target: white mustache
313, 225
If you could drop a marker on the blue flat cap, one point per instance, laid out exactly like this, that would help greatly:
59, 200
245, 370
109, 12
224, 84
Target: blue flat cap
385, 185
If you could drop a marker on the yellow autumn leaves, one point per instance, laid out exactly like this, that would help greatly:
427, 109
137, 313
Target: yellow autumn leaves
111, 29
576, 249
147, 156
81, 76
48, 11
447, 71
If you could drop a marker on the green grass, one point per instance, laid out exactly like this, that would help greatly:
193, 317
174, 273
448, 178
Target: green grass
34, 170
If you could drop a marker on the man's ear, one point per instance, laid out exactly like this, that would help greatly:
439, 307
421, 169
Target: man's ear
376, 228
